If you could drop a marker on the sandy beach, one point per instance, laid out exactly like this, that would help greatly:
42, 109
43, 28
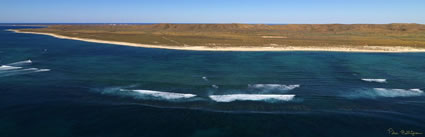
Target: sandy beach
377, 49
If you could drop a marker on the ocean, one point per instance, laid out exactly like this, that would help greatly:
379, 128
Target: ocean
53, 87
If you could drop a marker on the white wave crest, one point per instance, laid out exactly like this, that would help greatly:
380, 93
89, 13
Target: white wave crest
164, 95
397, 92
215, 86
251, 97
5, 67
19, 63
205, 78
271, 87
21, 71
17, 68
417, 90
33, 70
375, 80
42, 70
383, 92
30, 69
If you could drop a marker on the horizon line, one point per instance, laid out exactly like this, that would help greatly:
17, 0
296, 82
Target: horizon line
200, 23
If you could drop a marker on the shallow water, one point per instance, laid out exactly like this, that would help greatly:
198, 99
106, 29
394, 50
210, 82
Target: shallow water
56, 87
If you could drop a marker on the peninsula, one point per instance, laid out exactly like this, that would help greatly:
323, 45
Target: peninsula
249, 37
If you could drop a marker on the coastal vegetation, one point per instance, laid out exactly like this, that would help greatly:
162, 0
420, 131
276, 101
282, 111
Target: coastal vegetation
250, 35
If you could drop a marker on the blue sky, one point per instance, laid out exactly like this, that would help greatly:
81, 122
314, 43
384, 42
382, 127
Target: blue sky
213, 11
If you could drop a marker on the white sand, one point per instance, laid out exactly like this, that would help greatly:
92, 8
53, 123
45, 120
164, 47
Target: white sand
393, 49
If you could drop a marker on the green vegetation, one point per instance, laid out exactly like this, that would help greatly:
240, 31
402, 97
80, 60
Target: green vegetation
249, 35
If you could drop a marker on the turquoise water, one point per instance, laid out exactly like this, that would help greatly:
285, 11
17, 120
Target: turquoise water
57, 87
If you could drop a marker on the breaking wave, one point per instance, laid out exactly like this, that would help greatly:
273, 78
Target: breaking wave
273, 87
42, 70
215, 86
17, 68
21, 71
5, 67
383, 92
375, 80
251, 97
398, 92
205, 78
20, 63
147, 94
164, 95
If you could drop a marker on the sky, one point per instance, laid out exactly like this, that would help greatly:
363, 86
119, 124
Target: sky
213, 11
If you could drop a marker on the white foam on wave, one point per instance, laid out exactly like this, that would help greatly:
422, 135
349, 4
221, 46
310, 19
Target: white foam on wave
42, 70
205, 78
251, 97
164, 95
21, 71
397, 92
17, 68
5, 67
271, 87
375, 80
417, 90
215, 86
19, 63
384, 92
30, 69
33, 70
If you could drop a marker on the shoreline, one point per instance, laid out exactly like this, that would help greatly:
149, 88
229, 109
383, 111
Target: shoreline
368, 49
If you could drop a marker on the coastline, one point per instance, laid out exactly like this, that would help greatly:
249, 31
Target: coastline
369, 49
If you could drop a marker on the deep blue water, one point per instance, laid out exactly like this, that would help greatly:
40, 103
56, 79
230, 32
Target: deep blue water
63, 88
